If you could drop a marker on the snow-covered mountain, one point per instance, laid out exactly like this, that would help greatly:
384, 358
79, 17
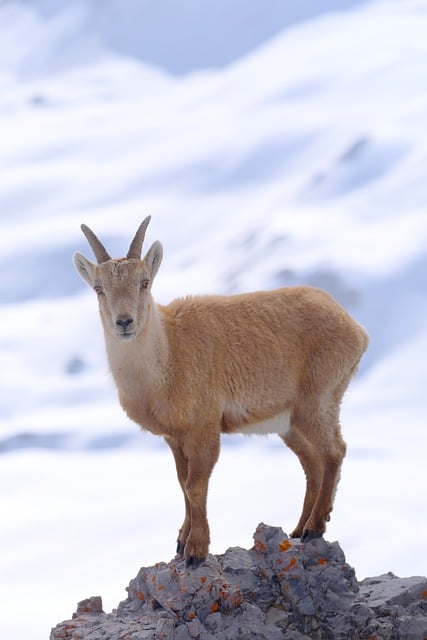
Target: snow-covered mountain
301, 159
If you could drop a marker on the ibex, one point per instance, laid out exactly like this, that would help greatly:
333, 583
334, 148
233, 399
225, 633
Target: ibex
264, 362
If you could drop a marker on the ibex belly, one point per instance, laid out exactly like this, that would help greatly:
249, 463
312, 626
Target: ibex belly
279, 424
237, 419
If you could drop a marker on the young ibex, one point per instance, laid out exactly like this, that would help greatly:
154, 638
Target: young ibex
265, 362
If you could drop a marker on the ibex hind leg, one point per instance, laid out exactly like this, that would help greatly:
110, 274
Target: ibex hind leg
312, 465
333, 449
316, 439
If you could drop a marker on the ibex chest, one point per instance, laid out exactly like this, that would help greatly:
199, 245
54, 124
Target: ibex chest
142, 409
137, 395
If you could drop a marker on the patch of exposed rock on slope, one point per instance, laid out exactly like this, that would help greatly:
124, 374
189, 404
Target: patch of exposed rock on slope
279, 588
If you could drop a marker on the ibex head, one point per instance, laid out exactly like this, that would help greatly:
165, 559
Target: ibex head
123, 285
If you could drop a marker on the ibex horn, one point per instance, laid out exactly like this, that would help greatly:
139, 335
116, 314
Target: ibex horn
136, 245
97, 247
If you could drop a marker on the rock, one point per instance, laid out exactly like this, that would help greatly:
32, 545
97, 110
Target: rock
90, 605
278, 588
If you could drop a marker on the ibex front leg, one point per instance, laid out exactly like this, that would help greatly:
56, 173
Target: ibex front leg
195, 458
181, 464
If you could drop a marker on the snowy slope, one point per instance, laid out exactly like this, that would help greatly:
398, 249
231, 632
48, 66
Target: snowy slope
303, 161
178, 37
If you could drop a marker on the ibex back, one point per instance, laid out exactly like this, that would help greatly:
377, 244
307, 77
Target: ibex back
265, 362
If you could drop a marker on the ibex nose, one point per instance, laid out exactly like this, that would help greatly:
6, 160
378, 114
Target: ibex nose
124, 321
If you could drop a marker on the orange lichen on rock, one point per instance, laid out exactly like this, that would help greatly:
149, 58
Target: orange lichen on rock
285, 545
260, 546
237, 601
321, 561
292, 563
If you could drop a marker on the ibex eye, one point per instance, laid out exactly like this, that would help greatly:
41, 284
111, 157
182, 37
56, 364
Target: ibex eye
144, 284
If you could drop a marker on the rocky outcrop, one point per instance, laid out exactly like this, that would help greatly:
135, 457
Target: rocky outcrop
278, 589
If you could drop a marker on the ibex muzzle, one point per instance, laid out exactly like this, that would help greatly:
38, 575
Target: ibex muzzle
125, 322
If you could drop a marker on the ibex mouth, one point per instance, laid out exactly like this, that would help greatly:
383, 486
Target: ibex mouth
126, 335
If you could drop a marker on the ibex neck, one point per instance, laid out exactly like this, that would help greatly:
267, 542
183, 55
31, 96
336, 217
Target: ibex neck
143, 360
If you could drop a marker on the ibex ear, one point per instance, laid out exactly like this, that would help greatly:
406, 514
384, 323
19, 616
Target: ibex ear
84, 267
154, 258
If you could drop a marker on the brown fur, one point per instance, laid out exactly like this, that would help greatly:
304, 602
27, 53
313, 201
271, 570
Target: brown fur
270, 361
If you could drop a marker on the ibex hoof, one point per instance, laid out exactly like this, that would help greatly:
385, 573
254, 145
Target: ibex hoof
311, 535
180, 548
193, 563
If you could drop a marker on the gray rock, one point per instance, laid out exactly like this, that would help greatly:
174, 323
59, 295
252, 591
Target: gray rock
279, 588
388, 589
90, 605
165, 629
213, 623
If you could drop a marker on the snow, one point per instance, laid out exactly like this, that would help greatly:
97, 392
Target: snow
293, 153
